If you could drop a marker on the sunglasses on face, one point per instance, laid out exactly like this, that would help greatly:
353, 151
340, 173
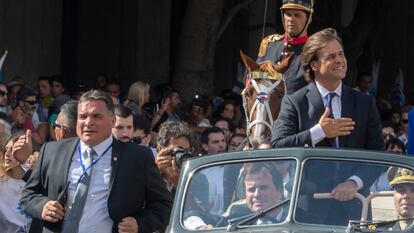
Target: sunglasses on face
55, 125
404, 121
31, 102
2, 93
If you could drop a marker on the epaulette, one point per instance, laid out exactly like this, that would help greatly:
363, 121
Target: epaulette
266, 41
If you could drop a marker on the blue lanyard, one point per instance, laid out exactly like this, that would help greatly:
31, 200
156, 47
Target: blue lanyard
93, 162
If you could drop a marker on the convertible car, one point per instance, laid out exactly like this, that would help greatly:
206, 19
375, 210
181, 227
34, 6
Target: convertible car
290, 190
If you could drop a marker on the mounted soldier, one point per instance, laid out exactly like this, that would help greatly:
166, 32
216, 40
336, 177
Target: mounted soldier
296, 17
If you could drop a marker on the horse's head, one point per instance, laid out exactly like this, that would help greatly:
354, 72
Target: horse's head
262, 97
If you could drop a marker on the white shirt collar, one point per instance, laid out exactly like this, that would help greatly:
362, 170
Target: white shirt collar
100, 148
323, 91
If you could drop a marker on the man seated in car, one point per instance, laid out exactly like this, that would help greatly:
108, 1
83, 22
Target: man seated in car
263, 188
402, 184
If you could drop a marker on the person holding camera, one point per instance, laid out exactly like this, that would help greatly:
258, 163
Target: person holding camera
167, 110
173, 137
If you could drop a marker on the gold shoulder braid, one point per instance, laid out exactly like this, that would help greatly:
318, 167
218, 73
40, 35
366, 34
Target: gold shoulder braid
266, 41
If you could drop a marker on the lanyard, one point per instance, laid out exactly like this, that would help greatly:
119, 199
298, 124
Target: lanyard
90, 165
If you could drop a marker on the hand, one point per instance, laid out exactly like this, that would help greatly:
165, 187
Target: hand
167, 166
164, 160
31, 161
164, 104
128, 225
52, 211
345, 191
335, 127
23, 147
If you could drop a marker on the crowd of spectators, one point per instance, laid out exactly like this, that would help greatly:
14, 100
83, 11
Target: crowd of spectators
208, 125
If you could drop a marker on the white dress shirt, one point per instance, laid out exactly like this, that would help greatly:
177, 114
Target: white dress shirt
95, 216
317, 133
215, 181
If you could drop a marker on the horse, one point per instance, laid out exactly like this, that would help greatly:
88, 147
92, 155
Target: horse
262, 98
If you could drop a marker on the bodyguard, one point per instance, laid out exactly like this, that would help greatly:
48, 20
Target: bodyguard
96, 183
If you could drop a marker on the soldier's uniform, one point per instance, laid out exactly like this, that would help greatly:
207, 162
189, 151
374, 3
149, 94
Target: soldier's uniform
397, 176
275, 48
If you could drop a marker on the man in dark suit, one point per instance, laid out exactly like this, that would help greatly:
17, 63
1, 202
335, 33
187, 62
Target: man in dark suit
124, 191
328, 113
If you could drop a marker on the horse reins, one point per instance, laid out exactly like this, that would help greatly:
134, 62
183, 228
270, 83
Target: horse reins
261, 99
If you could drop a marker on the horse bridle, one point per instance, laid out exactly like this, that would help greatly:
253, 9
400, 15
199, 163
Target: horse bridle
263, 99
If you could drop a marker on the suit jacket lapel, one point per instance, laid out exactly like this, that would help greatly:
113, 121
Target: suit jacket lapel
67, 159
347, 99
116, 155
316, 106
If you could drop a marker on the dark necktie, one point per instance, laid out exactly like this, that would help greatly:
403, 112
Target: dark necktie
72, 217
329, 97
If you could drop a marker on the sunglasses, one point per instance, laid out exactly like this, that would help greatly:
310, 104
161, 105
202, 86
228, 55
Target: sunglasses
55, 125
31, 102
2, 93
404, 121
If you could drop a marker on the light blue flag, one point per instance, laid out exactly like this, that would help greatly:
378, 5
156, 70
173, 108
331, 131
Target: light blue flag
397, 95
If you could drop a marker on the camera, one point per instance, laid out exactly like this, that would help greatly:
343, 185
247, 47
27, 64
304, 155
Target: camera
181, 155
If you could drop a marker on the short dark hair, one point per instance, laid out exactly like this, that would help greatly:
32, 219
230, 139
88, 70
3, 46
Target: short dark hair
44, 78
70, 112
229, 123
394, 141
98, 95
122, 111
310, 50
141, 122
204, 136
407, 108
25, 92
58, 78
256, 167
168, 92
363, 74
112, 81
169, 130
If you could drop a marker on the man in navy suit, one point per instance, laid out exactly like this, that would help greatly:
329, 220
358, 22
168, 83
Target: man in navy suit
125, 191
328, 113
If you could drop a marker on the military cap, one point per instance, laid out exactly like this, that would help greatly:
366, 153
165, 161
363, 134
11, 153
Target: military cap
400, 176
305, 5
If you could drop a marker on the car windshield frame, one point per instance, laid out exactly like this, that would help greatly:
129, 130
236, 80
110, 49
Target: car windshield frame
299, 154
242, 161
313, 157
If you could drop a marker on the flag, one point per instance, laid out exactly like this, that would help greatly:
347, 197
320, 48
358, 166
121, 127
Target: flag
375, 73
238, 85
410, 143
397, 93
2, 59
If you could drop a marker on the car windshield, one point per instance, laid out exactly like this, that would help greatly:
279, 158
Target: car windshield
230, 193
327, 194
